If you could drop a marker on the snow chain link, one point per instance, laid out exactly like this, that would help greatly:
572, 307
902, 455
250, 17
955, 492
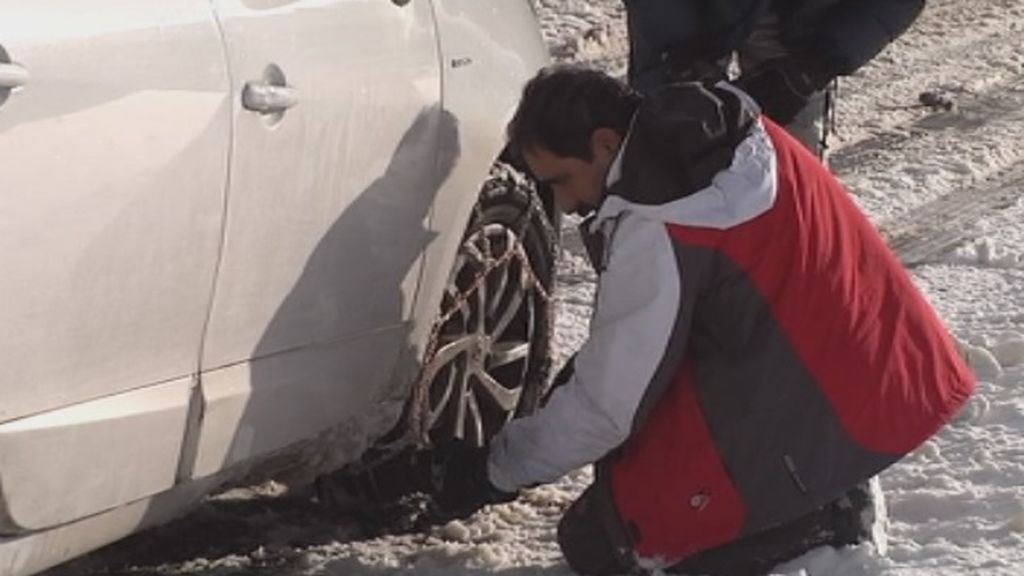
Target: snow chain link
414, 436
420, 436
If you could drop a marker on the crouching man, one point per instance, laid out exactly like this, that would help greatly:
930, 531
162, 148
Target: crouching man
756, 353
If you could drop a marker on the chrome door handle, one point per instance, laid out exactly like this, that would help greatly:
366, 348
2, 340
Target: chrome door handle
12, 76
265, 98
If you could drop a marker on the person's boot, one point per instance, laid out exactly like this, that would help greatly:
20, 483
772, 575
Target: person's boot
861, 516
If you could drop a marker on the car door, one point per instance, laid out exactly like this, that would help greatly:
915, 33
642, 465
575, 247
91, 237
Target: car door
114, 134
335, 165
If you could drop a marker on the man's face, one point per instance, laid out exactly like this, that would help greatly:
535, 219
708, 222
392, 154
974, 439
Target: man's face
578, 184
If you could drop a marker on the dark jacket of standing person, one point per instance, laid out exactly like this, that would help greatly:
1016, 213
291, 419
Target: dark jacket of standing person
811, 42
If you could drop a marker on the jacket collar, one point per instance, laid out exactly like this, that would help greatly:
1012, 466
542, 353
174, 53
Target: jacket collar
681, 136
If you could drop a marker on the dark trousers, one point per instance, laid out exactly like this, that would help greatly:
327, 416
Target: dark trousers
594, 543
649, 69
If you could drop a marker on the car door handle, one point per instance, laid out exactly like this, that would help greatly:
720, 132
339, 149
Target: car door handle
12, 76
265, 98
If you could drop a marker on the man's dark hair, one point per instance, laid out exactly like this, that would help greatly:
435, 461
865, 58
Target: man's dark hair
562, 106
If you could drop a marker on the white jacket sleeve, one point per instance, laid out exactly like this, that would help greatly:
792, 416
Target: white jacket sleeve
637, 306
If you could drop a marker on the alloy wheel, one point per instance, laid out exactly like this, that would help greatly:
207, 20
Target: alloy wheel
480, 368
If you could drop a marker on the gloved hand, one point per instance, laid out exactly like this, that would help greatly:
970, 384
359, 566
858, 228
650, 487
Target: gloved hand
783, 86
462, 485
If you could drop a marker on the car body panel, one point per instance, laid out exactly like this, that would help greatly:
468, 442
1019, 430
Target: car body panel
37, 551
327, 215
253, 407
364, 186
489, 49
113, 177
113, 161
67, 464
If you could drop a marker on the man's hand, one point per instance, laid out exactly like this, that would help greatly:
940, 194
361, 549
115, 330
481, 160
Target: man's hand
783, 86
461, 484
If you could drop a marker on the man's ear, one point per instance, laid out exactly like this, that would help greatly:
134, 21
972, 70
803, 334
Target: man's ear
605, 142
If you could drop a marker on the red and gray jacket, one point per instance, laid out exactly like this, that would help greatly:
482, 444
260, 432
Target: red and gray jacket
756, 349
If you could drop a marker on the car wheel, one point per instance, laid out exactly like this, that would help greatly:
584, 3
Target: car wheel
488, 358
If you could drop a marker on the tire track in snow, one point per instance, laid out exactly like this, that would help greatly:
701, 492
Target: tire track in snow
945, 223
947, 46
974, 112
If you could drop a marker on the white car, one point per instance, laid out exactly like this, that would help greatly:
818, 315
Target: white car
240, 237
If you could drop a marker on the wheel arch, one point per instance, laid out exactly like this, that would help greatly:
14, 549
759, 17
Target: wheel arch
488, 51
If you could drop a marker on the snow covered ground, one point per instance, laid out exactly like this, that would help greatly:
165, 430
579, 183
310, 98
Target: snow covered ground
947, 188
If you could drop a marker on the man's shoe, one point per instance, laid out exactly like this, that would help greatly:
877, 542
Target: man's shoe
861, 516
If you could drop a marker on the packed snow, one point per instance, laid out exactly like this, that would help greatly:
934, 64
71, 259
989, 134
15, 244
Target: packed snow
944, 182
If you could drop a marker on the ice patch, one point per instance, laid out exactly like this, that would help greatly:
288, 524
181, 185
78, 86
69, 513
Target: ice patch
456, 531
974, 410
929, 451
989, 252
982, 362
1017, 522
1009, 351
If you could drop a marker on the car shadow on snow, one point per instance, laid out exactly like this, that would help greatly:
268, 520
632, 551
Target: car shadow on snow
261, 530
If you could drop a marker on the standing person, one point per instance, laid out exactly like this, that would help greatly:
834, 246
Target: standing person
788, 51
756, 351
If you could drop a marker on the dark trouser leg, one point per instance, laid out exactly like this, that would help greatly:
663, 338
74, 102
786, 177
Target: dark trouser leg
590, 537
809, 126
836, 524
647, 70
651, 68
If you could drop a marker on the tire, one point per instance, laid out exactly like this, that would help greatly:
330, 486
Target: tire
469, 353
491, 357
